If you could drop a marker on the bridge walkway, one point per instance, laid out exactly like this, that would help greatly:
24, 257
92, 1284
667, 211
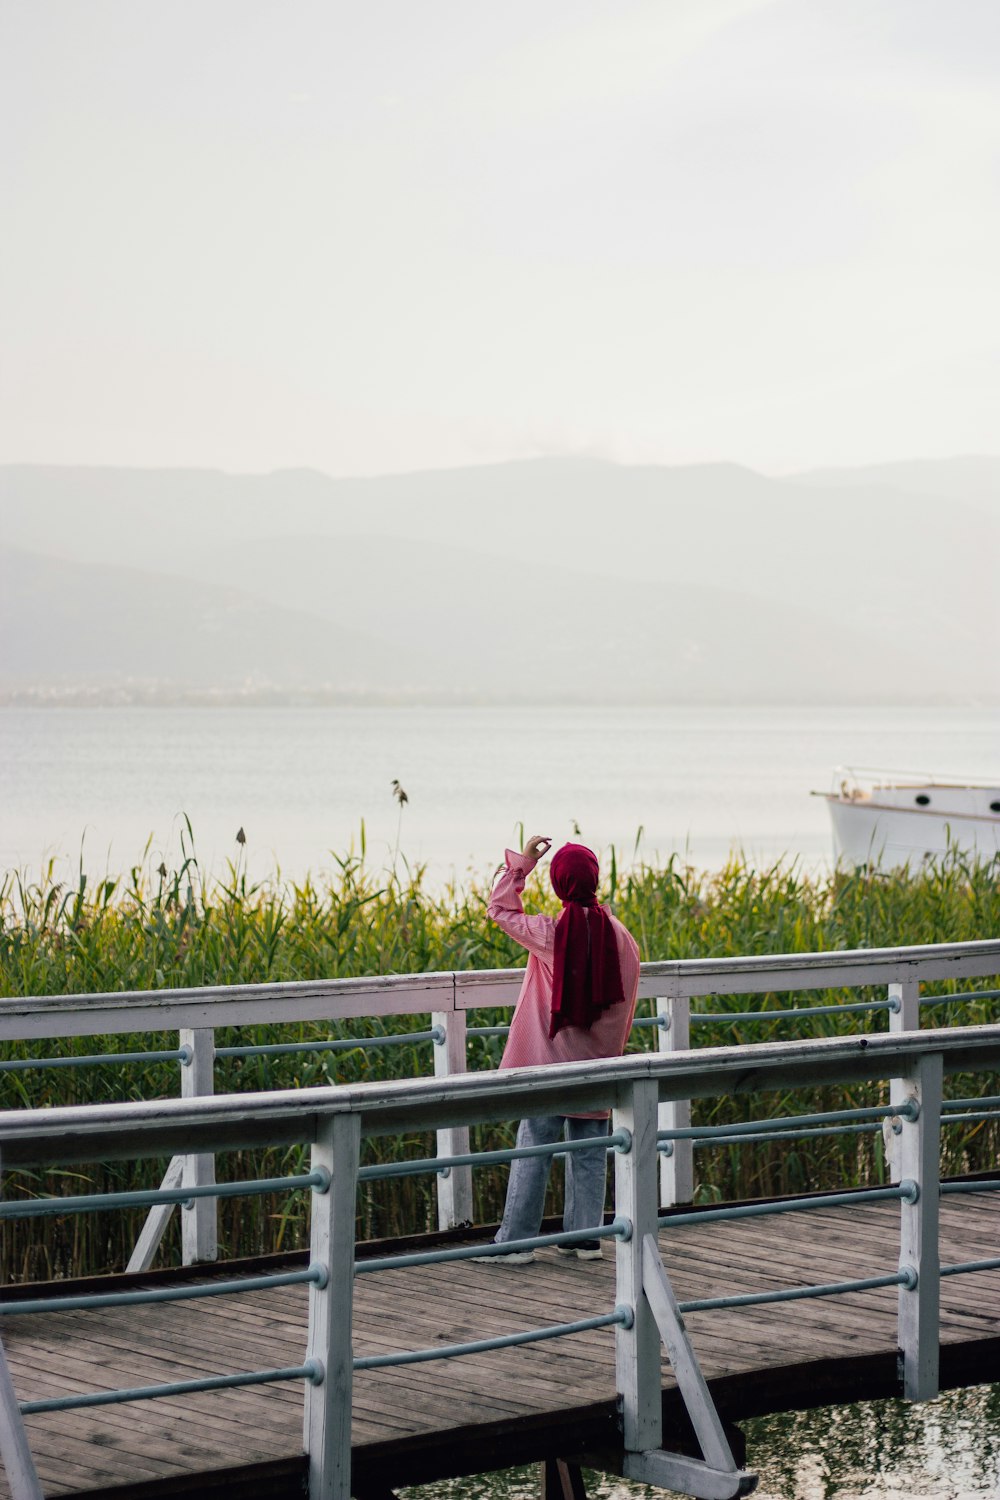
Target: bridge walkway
413, 1424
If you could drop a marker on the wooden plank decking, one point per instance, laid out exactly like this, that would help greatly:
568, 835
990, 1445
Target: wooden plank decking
420, 1422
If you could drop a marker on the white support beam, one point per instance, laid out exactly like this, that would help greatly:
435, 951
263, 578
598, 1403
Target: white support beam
200, 1222
637, 1349
677, 1167
716, 1475
690, 1381
15, 1455
688, 1476
920, 1160
454, 1192
327, 1417
156, 1223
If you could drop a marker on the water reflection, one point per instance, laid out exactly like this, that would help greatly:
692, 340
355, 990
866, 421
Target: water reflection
947, 1449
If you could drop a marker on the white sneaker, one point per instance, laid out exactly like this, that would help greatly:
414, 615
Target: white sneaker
511, 1258
583, 1250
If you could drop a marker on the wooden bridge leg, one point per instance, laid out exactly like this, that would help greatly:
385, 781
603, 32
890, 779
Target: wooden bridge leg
561, 1480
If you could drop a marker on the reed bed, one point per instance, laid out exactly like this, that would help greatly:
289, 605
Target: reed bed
159, 928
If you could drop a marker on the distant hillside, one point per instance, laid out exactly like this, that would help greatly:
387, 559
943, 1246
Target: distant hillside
546, 580
67, 624
973, 480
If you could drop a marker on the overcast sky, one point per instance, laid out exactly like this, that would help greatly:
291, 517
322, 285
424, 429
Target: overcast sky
398, 234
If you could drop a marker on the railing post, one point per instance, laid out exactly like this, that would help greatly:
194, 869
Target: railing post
677, 1166
327, 1417
200, 1221
637, 1349
454, 1192
920, 1161
905, 1017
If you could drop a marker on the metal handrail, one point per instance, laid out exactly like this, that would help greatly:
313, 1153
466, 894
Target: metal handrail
91, 1301
408, 994
155, 1127
907, 1191
80, 1060
334, 1121
33, 1208
619, 1229
311, 1371
621, 1315
906, 1277
448, 997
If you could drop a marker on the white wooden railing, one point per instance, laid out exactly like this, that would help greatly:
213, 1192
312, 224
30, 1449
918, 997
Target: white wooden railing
333, 1121
894, 973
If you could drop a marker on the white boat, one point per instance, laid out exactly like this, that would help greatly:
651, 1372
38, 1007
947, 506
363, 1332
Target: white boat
890, 818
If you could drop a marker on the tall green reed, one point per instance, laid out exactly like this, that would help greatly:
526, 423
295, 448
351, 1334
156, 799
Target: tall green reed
160, 928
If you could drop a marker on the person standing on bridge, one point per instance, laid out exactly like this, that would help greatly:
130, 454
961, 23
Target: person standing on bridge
576, 1003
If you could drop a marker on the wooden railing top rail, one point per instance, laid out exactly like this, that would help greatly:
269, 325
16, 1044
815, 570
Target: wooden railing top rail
160, 1127
22, 1018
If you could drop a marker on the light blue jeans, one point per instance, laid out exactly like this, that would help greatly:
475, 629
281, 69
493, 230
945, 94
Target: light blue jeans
586, 1177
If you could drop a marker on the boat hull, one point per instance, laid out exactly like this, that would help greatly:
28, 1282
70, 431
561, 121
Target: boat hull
867, 833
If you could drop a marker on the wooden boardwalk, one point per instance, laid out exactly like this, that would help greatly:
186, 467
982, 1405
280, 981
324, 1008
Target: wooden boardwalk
420, 1422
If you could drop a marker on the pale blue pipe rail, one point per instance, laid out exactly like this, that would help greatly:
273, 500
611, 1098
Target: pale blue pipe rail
620, 1140
756, 1132
964, 1268
640, 1021
759, 1137
619, 1229
316, 1275
990, 1185
33, 1208
435, 1034
311, 1371
621, 1314
907, 1111
23, 1064
185, 1054
987, 1101
907, 1277
279, 1049
958, 995
702, 1017
908, 1191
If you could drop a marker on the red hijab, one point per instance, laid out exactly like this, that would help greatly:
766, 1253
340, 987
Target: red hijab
587, 977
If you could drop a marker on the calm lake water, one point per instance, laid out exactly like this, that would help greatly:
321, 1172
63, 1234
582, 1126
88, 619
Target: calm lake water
947, 1449
701, 782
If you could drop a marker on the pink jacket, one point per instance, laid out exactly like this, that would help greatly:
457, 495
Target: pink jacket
529, 1042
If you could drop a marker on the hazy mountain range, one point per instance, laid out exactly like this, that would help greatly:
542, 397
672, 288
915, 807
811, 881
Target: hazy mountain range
548, 580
